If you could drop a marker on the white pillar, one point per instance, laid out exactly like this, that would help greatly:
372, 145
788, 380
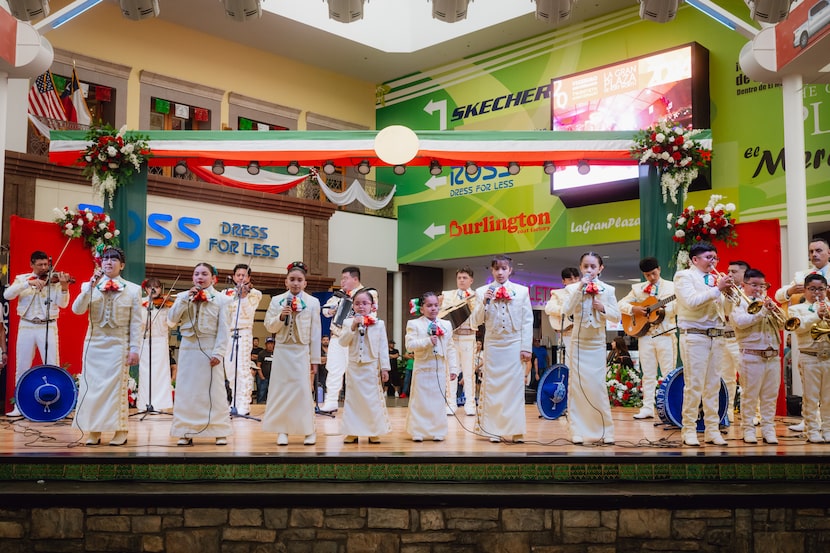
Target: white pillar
796, 175
397, 302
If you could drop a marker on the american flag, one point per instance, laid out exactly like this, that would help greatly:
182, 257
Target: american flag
44, 100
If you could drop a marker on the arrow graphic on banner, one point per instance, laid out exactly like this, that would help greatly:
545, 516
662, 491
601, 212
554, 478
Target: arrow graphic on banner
436, 182
435, 230
440, 106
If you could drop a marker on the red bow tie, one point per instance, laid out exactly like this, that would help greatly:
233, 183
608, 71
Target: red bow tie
369, 320
111, 286
502, 294
435, 330
648, 289
200, 296
592, 288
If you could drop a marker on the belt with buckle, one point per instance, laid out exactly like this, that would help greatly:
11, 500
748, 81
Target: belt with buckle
823, 355
464, 332
765, 353
37, 320
710, 332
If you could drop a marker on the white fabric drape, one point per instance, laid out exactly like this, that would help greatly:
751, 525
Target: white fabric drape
355, 192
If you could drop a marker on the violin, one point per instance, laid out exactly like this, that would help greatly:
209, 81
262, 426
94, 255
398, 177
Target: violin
162, 302
55, 278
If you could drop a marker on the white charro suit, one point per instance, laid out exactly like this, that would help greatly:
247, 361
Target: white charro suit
553, 309
509, 327
290, 409
659, 346
238, 363
465, 342
700, 308
426, 418
589, 410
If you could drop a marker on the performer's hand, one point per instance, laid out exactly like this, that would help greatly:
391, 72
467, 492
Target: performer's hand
63, 278
596, 304
214, 361
795, 289
355, 324
433, 339
132, 358
525, 355
725, 282
4, 357
37, 284
96, 275
384, 375
285, 313
489, 294
313, 369
638, 311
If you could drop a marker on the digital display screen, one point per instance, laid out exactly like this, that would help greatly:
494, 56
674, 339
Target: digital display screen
629, 95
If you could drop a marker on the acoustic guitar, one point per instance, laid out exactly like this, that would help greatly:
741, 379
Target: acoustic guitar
639, 326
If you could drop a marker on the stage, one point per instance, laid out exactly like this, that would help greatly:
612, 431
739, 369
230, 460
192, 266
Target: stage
645, 451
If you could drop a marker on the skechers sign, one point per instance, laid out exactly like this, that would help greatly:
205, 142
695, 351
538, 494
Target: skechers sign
233, 238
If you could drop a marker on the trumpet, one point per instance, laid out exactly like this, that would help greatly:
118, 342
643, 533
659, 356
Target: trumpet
822, 327
734, 292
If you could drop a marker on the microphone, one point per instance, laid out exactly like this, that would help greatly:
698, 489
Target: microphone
492, 288
193, 294
360, 327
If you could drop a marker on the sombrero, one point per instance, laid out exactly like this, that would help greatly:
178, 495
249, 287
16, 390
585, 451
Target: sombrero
45, 393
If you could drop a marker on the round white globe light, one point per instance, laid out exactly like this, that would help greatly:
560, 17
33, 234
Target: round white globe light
396, 145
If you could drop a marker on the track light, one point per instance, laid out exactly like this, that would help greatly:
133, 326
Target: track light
345, 11
180, 169
769, 11
253, 168
583, 167
554, 11
435, 168
471, 168
513, 168
363, 167
139, 9
449, 11
242, 10
659, 11
399, 169
329, 168
293, 168
218, 167
549, 167
26, 10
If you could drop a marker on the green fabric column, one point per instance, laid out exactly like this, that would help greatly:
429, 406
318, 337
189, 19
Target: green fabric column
129, 210
655, 236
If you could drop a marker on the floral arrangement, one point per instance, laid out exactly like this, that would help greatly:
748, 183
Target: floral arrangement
713, 222
97, 229
132, 391
625, 388
671, 149
111, 158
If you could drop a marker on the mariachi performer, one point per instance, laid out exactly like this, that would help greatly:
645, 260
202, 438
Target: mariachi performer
112, 343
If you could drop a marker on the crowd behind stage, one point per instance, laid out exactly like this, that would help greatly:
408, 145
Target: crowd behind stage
470, 348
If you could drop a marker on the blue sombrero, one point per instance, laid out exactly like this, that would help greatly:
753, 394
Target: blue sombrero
552, 392
45, 393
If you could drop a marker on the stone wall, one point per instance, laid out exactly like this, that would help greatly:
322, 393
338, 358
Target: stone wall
439, 530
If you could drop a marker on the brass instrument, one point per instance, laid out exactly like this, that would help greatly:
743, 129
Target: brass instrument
775, 314
734, 293
822, 327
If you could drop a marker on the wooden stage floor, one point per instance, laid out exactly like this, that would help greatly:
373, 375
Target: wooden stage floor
545, 439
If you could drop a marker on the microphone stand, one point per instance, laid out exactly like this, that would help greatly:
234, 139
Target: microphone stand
235, 356
48, 303
148, 333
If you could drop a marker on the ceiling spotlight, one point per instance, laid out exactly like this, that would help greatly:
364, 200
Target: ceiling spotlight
399, 169
329, 168
26, 10
769, 11
659, 11
180, 169
346, 11
471, 168
139, 9
513, 168
242, 10
554, 11
449, 11
218, 167
435, 168
363, 167
583, 167
293, 168
549, 167
253, 168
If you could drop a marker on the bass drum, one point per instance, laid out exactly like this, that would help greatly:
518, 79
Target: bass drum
669, 401
45, 393
552, 392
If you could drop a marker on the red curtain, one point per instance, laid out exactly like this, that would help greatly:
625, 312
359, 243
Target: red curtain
26, 236
759, 244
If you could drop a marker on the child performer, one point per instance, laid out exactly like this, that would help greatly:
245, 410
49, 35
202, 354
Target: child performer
504, 308
435, 355
760, 366
364, 411
295, 319
156, 340
201, 407
592, 304
111, 346
814, 358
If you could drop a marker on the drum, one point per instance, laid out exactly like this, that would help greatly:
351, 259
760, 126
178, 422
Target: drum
669, 401
457, 314
45, 393
552, 392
